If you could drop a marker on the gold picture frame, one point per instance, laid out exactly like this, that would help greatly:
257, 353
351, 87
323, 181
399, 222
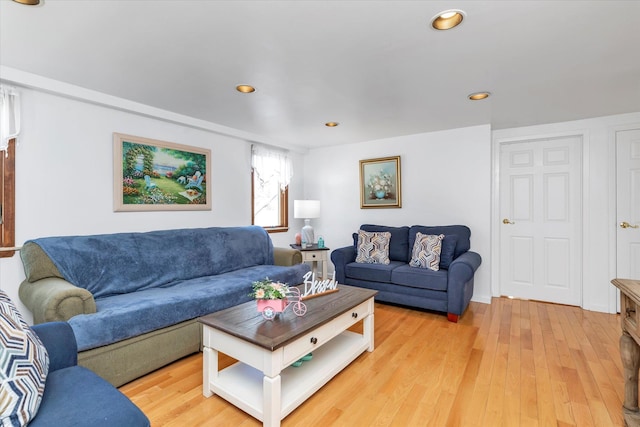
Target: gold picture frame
152, 175
380, 184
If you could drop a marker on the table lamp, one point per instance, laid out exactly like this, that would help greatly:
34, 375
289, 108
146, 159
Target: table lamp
306, 209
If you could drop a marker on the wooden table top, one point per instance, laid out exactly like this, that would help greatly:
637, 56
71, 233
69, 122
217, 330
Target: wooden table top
246, 322
313, 247
629, 287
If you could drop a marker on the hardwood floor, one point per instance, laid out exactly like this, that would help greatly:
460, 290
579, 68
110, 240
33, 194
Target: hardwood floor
511, 363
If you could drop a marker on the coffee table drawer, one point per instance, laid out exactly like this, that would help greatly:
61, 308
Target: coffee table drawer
314, 339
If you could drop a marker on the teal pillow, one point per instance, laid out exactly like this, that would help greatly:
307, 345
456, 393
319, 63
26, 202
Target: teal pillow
24, 365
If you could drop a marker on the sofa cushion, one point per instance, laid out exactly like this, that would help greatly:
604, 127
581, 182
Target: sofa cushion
75, 396
372, 272
423, 278
124, 316
373, 248
462, 233
426, 251
24, 364
405, 295
120, 263
399, 244
447, 252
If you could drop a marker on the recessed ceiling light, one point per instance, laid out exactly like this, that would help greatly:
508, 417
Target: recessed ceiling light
477, 96
245, 88
28, 2
447, 20
331, 124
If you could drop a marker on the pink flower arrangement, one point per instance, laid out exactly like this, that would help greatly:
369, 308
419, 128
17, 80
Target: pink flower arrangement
268, 289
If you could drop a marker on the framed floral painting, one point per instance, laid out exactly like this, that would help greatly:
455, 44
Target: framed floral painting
380, 183
151, 175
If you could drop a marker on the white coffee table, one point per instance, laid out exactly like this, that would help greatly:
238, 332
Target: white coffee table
262, 383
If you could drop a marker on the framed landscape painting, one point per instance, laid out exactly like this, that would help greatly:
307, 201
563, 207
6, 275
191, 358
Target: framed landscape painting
380, 183
151, 175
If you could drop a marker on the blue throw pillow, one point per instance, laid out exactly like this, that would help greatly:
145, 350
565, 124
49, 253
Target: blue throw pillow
448, 250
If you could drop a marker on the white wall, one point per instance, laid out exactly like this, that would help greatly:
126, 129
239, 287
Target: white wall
64, 175
64, 183
599, 200
446, 179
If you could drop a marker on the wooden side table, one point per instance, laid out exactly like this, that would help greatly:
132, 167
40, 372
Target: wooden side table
314, 254
630, 346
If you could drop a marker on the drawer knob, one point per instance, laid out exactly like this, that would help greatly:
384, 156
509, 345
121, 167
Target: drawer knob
354, 315
630, 311
314, 340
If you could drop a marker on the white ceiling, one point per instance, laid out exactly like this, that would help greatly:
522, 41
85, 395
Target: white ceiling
374, 66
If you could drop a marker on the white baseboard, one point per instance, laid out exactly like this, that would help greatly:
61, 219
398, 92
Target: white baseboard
485, 299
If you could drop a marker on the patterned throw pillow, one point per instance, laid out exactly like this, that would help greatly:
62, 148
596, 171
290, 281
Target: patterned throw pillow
426, 251
24, 364
373, 248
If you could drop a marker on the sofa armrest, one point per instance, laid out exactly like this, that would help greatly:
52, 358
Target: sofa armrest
340, 258
60, 342
464, 267
460, 283
54, 299
286, 256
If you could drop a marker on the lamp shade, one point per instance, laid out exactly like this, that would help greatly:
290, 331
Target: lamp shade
306, 209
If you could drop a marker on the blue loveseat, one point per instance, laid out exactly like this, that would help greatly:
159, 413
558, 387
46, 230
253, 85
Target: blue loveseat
448, 290
133, 299
75, 396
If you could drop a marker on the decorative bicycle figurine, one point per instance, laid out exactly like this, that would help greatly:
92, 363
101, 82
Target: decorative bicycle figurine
270, 307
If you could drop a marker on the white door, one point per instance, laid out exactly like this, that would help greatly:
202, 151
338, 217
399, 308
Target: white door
541, 219
628, 204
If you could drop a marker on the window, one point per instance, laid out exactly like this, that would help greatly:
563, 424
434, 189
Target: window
7, 199
270, 175
9, 130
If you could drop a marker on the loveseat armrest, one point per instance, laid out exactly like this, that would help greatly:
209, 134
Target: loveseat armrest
464, 267
53, 299
460, 283
340, 258
60, 342
286, 256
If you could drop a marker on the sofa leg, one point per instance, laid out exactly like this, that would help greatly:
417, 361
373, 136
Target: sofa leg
453, 317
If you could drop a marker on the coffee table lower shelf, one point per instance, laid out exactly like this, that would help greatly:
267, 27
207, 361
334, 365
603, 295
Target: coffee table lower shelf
245, 387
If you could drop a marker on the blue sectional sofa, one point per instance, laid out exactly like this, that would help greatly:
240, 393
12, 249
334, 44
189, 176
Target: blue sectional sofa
448, 290
133, 299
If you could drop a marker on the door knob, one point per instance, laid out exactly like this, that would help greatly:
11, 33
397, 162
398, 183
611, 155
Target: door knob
506, 221
625, 224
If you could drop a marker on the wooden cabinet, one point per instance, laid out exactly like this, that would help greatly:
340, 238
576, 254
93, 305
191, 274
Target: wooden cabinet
630, 346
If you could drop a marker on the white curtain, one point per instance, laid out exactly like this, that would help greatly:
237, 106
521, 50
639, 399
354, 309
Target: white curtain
9, 115
268, 162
